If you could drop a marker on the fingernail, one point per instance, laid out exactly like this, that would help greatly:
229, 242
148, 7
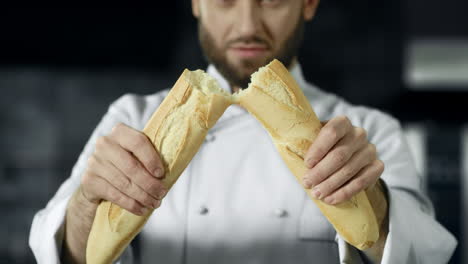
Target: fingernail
162, 193
306, 182
156, 204
329, 200
316, 193
158, 173
310, 163
144, 210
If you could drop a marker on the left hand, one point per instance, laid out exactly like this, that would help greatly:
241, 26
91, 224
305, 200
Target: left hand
341, 162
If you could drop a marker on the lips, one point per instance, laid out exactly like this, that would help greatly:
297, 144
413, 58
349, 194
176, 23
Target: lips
249, 51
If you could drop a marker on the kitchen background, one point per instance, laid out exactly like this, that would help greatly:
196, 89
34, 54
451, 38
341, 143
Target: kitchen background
60, 68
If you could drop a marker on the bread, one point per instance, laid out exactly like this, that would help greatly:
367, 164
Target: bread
274, 98
179, 126
177, 130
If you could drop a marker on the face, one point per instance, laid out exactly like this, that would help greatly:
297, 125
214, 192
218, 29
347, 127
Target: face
239, 36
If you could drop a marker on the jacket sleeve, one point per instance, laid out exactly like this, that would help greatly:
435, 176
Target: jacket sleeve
414, 234
47, 230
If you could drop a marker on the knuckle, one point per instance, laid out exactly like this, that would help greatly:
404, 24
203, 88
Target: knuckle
101, 142
336, 198
152, 187
347, 173
130, 166
343, 118
373, 148
119, 126
316, 177
320, 151
380, 166
139, 140
348, 123
133, 206
114, 197
332, 133
147, 200
341, 155
344, 194
124, 184
362, 182
86, 179
92, 162
158, 203
361, 133
312, 182
343, 121
326, 187
149, 163
325, 190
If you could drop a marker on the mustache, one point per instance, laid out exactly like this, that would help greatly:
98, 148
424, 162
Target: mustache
249, 40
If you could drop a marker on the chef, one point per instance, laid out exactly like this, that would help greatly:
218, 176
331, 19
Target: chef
237, 202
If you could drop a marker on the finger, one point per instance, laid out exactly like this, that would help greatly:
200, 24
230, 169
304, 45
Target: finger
328, 136
87, 188
108, 192
358, 161
335, 159
117, 179
365, 178
140, 146
131, 168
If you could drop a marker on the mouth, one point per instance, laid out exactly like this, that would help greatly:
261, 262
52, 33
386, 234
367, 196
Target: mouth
248, 51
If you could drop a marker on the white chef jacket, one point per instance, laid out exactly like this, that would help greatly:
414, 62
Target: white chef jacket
237, 202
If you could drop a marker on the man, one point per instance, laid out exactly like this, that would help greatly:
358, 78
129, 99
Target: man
238, 202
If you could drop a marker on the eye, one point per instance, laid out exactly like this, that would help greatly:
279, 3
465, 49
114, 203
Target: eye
225, 2
271, 2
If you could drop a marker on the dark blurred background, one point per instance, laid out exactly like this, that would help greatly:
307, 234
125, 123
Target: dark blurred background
61, 68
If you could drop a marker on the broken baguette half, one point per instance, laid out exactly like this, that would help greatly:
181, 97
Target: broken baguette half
177, 129
278, 103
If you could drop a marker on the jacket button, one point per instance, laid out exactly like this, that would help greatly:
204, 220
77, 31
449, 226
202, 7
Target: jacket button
279, 212
210, 137
203, 210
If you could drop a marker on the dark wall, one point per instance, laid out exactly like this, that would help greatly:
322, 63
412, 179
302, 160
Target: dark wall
61, 68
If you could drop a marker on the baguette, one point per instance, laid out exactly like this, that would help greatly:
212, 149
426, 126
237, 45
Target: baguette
277, 102
179, 126
177, 130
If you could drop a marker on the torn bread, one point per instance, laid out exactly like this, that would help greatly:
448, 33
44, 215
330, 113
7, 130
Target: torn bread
179, 126
177, 129
275, 99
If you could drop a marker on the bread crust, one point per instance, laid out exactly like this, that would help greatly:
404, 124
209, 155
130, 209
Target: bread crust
177, 129
293, 126
179, 126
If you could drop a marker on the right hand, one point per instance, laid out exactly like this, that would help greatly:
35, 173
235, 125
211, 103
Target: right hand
126, 170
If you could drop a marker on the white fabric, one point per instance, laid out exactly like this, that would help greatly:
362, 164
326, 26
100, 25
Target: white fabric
237, 202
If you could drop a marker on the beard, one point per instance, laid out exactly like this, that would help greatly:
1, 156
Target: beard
239, 76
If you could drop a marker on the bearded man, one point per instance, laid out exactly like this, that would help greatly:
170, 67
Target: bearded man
237, 202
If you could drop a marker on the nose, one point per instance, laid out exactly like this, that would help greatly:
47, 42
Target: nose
248, 18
